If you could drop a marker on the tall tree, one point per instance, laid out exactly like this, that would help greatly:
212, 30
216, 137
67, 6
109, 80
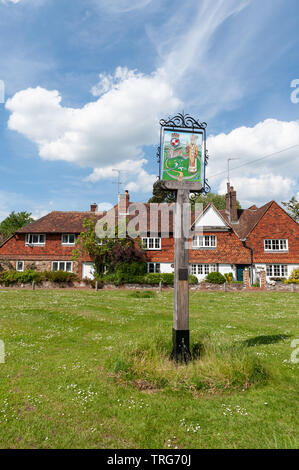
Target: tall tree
107, 253
161, 195
14, 222
292, 207
217, 199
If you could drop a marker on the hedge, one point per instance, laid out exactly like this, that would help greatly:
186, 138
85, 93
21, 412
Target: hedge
153, 279
27, 277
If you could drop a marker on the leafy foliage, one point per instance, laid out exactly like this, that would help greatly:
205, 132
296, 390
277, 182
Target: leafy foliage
160, 195
108, 254
228, 277
294, 277
12, 277
14, 222
217, 199
215, 278
153, 279
292, 207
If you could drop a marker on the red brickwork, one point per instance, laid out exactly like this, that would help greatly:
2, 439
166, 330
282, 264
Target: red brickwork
275, 224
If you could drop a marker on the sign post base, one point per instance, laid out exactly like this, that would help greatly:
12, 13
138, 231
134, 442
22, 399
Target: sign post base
180, 346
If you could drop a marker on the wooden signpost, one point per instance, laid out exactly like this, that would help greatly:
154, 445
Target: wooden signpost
182, 169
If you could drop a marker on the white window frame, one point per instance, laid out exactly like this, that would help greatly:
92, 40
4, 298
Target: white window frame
20, 270
68, 235
204, 241
202, 269
277, 270
151, 243
58, 266
276, 244
38, 243
155, 267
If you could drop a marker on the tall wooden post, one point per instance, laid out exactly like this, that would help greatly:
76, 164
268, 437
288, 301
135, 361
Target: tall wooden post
180, 331
182, 137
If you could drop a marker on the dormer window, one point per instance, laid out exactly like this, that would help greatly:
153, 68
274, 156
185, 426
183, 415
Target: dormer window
68, 239
276, 245
204, 241
35, 239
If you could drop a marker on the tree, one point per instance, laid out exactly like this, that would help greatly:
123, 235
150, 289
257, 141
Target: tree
292, 207
161, 195
14, 222
217, 199
107, 253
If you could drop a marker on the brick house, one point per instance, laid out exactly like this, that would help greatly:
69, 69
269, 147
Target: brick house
228, 240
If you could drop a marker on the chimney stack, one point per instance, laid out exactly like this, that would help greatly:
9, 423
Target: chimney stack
231, 204
123, 203
93, 207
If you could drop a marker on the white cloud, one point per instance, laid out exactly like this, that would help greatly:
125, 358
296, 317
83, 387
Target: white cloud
10, 1
261, 189
270, 178
104, 206
104, 134
250, 143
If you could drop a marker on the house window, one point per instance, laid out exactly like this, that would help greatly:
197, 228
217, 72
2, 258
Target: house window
277, 270
204, 241
20, 265
35, 239
68, 239
199, 269
151, 243
153, 267
276, 245
62, 266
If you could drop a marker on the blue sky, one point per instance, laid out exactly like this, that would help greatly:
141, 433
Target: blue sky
86, 82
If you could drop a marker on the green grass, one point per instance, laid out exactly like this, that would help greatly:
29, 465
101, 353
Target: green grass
88, 369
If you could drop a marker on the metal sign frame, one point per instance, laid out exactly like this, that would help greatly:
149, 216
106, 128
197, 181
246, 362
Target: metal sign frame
187, 124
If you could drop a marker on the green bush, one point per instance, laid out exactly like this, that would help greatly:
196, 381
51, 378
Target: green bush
12, 277
132, 269
228, 277
215, 278
294, 277
291, 281
58, 276
152, 279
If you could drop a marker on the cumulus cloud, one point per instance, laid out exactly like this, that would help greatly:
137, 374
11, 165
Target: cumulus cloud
10, 1
105, 133
260, 189
260, 178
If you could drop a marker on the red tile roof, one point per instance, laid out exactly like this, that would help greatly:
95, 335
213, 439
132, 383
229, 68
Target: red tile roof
60, 222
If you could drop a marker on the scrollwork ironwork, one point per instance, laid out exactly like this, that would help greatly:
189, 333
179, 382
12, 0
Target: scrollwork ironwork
183, 121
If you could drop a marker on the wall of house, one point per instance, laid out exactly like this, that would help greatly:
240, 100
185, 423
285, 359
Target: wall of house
229, 251
275, 224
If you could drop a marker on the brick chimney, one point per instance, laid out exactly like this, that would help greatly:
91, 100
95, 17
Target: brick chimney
231, 204
93, 207
123, 203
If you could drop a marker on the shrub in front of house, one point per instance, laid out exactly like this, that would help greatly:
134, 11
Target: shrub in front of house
58, 276
215, 278
294, 277
228, 277
13, 277
153, 279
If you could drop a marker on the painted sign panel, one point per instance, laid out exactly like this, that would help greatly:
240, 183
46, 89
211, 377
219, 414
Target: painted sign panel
181, 155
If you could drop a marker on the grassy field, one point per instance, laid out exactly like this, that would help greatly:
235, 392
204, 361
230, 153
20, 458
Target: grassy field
88, 369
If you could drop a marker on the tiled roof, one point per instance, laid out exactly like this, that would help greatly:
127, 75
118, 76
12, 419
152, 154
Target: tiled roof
59, 222
247, 219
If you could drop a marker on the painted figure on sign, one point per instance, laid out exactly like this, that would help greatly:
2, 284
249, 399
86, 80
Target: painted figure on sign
193, 153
